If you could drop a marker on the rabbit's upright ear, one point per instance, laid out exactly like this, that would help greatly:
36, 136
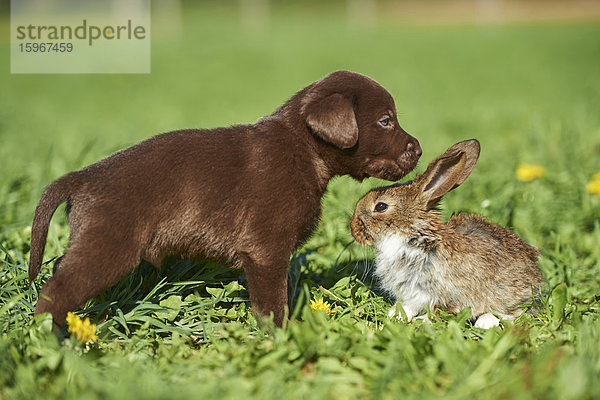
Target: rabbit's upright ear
441, 176
471, 150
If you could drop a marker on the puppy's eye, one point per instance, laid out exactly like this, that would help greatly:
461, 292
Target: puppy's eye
387, 121
381, 207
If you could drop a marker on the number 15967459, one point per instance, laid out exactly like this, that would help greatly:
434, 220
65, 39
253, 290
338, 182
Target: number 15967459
47, 47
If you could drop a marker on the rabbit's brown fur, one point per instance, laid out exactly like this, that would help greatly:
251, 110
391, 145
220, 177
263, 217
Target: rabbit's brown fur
467, 262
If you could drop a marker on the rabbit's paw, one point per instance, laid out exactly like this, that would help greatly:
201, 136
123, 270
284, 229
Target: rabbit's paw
424, 318
395, 311
487, 321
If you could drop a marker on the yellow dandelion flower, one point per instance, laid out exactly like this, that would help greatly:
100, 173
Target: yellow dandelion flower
593, 186
321, 305
528, 172
83, 330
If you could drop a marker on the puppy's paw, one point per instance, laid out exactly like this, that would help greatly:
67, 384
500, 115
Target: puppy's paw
487, 321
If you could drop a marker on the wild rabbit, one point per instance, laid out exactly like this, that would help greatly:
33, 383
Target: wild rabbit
467, 262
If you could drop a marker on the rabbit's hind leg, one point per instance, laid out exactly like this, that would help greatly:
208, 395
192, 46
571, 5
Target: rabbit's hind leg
487, 321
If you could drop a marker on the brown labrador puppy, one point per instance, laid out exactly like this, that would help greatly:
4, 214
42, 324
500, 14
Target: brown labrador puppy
246, 195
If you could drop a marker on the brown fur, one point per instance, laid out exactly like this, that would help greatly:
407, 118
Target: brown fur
467, 262
245, 195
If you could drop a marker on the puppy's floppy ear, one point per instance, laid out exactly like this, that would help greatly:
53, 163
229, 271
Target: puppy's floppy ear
332, 119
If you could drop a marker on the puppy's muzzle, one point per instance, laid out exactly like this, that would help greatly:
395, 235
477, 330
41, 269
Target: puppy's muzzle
409, 157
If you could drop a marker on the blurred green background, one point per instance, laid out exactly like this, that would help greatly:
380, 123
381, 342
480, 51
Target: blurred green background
523, 77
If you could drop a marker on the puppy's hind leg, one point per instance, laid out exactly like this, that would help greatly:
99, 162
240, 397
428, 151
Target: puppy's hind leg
84, 272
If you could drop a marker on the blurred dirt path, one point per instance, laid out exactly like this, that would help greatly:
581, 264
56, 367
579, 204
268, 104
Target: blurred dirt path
489, 11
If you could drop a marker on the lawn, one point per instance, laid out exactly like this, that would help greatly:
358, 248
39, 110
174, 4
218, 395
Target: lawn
530, 92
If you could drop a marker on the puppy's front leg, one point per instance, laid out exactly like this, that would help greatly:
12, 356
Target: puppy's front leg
268, 288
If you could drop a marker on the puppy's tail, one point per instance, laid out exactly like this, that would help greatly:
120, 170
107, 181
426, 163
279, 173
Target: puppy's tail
55, 193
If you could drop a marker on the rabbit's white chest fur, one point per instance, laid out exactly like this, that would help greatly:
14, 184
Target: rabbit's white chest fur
405, 272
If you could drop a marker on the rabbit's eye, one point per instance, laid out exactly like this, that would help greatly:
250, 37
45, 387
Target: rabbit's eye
381, 207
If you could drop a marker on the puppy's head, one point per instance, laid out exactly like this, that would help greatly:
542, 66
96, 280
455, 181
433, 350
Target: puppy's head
356, 117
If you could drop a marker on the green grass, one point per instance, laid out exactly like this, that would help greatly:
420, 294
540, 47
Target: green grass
528, 92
